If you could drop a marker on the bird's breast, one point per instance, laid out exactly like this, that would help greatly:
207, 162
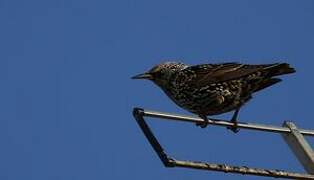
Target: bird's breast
210, 99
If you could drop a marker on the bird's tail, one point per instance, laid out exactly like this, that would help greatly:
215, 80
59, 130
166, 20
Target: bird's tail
272, 70
279, 69
266, 83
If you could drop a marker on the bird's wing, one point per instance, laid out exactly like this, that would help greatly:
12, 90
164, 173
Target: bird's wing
205, 74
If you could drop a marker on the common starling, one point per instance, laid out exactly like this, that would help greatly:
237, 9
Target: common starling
212, 89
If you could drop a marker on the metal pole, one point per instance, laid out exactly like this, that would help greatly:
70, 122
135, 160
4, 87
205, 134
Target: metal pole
139, 114
300, 147
241, 170
219, 122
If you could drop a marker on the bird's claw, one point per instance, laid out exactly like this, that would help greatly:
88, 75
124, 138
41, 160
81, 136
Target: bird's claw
234, 128
202, 124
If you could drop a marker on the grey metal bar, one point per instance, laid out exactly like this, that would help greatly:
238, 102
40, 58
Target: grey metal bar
241, 170
139, 114
219, 122
299, 146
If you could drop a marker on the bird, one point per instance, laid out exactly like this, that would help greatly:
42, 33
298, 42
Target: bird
213, 89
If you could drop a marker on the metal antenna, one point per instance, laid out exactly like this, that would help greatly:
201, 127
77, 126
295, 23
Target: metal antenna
291, 134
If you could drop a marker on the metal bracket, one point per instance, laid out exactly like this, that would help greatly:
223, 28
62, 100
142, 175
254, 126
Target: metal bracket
139, 115
299, 147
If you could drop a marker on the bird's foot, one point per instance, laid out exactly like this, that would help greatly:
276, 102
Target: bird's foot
204, 123
234, 128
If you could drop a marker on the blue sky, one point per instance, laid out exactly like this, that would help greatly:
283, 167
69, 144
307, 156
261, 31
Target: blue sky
66, 96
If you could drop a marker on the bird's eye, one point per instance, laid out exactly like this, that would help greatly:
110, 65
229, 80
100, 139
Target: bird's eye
157, 74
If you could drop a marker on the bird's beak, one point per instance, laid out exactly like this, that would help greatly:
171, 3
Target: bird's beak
143, 76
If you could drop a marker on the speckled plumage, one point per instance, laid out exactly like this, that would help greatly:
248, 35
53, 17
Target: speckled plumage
211, 89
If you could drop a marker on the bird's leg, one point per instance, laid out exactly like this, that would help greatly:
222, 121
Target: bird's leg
234, 128
204, 123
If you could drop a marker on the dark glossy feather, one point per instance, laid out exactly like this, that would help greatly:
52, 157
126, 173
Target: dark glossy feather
217, 73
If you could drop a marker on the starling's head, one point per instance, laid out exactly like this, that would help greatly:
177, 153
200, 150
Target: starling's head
161, 74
